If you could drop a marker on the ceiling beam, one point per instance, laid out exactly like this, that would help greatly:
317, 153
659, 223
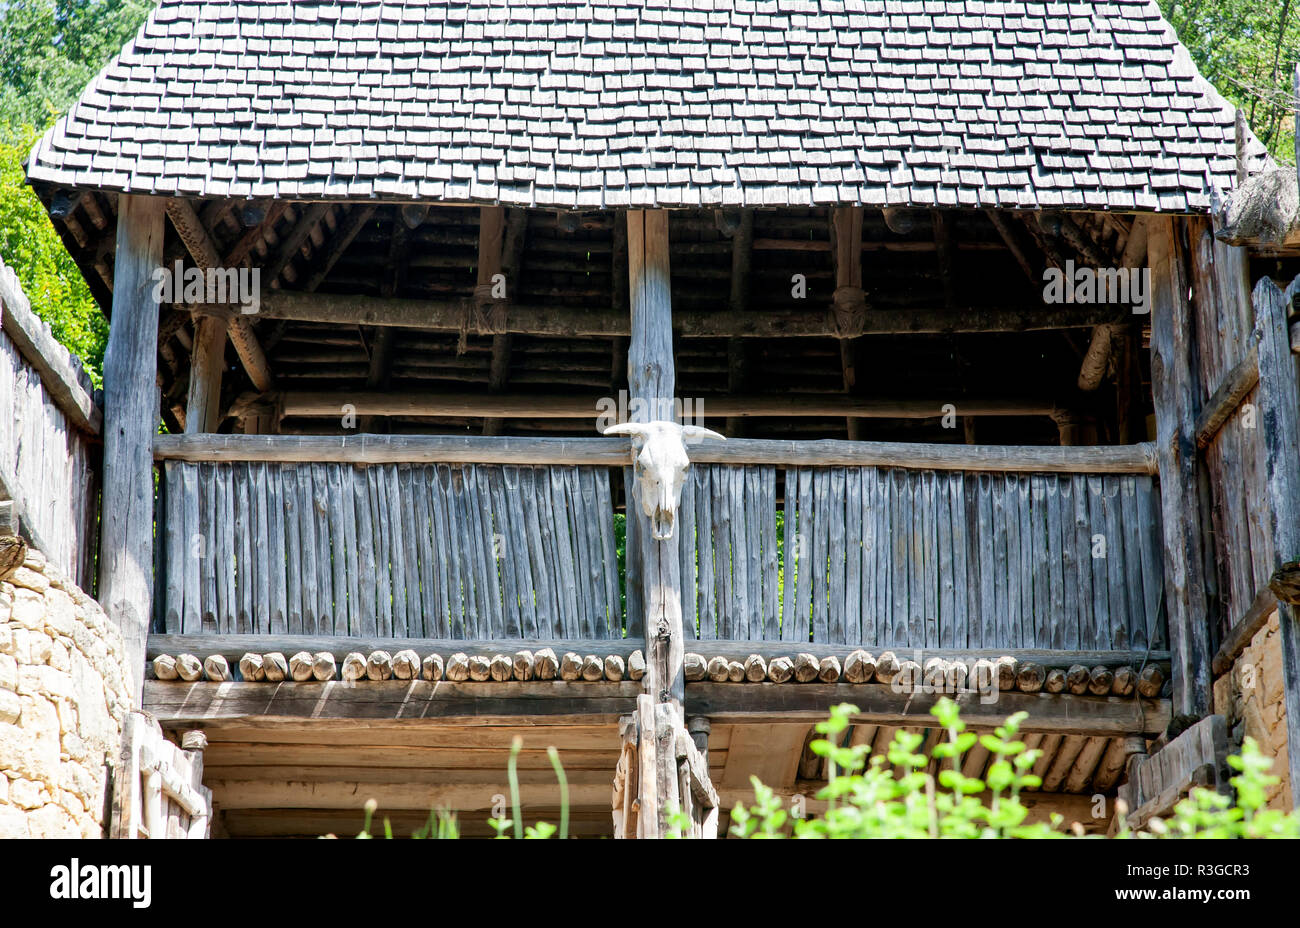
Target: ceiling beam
455, 315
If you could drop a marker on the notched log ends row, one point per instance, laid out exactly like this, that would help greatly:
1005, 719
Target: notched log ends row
304, 666
936, 675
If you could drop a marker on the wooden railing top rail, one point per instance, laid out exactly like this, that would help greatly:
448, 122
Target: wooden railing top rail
614, 452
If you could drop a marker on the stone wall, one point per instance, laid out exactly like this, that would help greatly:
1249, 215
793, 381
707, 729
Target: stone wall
63, 698
1250, 697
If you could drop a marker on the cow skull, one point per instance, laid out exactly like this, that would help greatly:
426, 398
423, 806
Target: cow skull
660, 461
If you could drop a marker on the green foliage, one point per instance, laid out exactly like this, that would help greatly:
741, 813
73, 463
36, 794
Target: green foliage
895, 797
1248, 49
49, 276
49, 51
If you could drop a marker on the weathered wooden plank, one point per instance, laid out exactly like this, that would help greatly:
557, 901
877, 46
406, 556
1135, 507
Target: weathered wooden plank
1038, 526
613, 452
1070, 556
292, 552
707, 552
337, 502
753, 548
1134, 527
565, 549
246, 532
303, 557
1055, 563
367, 620
687, 549
1117, 543
852, 548
391, 519
1082, 540
823, 515
175, 548
194, 549
833, 503
264, 567
541, 573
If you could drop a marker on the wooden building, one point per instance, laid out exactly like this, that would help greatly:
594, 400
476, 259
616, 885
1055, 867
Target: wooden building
828, 231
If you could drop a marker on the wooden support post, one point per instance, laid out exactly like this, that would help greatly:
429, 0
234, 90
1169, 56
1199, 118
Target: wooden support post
1279, 409
206, 367
699, 727
849, 300
1176, 393
130, 421
652, 379
742, 249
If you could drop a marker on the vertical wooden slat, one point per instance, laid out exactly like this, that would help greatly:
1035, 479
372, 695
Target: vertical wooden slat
176, 549
831, 503
1001, 573
367, 561
245, 533
395, 505
1009, 489
565, 548
322, 503
191, 621
753, 547
1152, 563
870, 520
1117, 540
706, 596
723, 575
771, 595
1101, 566
305, 557
853, 555
541, 574
1084, 562
343, 547
1132, 591
734, 505
634, 588
1055, 563
1038, 524
523, 610
805, 545
988, 612
1028, 580
1070, 555
432, 608
270, 573
292, 547
446, 545
686, 555
608, 552
930, 536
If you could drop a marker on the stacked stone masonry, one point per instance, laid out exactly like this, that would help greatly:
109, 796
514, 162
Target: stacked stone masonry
1250, 696
63, 699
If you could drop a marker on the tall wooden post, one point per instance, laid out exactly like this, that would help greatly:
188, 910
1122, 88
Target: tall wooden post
849, 300
130, 421
1279, 410
652, 380
1176, 402
208, 358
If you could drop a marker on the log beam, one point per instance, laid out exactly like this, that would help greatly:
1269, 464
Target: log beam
532, 406
453, 315
614, 452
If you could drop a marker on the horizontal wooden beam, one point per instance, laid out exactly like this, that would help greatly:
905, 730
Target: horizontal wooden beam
178, 704
333, 404
366, 448
461, 315
878, 704
1224, 402
1240, 635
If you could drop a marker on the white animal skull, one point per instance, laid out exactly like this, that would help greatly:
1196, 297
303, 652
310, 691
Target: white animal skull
660, 460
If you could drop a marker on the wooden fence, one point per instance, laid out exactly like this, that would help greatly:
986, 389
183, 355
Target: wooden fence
406, 536
908, 558
471, 551
49, 436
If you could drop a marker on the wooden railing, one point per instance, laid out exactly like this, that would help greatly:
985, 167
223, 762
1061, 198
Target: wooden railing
833, 543
49, 435
475, 551
922, 559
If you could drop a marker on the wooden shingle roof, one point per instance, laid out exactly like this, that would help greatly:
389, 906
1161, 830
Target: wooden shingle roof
593, 104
